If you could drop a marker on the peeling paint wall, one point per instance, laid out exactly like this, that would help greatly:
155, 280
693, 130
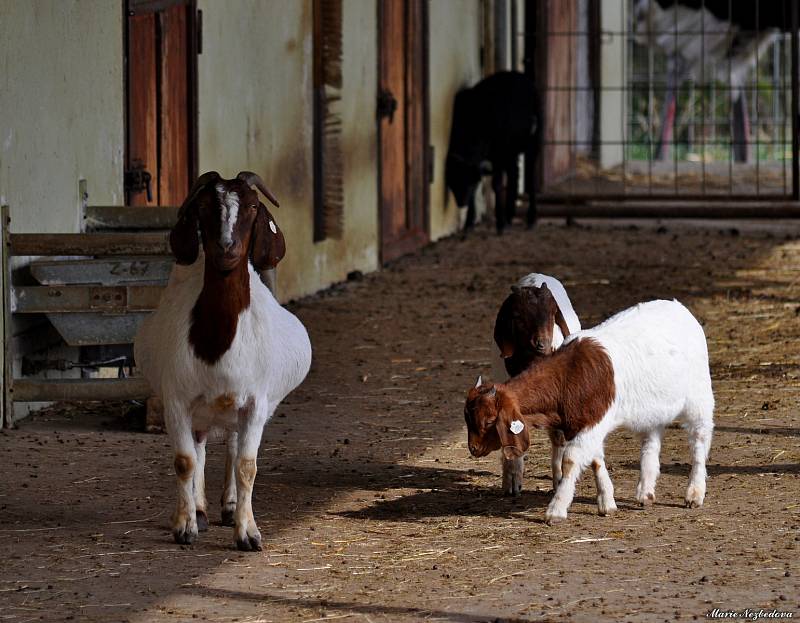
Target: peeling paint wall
61, 97
61, 120
455, 43
256, 113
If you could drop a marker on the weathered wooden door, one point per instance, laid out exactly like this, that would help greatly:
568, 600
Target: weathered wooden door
161, 53
402, 114
554, 63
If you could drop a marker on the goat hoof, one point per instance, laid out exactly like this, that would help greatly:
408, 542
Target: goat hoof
249, 544
606, 510
184, 536
646, 500
227, 517
202, 521
552, 520
694, 497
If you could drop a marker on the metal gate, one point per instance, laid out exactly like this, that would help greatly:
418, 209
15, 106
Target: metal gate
676, 100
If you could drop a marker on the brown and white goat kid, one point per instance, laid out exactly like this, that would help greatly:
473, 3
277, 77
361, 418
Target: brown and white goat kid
532, 322
640, 369
220, 351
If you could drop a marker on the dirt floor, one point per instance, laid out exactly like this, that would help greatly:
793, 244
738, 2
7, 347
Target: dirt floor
370, 505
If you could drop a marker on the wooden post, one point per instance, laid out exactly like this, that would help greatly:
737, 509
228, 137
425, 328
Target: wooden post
7, 404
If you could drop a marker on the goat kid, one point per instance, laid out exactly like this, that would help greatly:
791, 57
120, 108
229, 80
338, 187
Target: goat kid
641, 369
532, 323
220, 351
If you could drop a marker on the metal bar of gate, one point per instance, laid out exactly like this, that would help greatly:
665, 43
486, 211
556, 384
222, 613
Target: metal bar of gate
672, 209
653, 199
795, 104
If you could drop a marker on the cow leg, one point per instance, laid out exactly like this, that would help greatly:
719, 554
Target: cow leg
470, 222
512, 189
498, 173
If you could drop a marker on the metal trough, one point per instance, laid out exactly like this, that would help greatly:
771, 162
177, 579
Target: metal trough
93, 302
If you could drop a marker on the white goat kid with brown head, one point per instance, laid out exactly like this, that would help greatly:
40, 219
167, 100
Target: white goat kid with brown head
220, 351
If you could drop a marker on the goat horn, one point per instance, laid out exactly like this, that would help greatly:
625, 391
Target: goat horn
250, 178
480, 380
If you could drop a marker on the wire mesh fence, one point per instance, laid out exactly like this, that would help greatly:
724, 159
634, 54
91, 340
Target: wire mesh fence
686, 98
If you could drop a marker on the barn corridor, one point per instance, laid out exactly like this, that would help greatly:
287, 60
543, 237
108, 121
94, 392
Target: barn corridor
370, 506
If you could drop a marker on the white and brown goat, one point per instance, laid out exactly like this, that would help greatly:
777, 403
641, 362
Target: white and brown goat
220, 351
640, 369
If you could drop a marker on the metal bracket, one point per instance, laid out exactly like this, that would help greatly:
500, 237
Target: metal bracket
108, 298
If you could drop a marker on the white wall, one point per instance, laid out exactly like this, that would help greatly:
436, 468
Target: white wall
61, 97
455, 42
256, 113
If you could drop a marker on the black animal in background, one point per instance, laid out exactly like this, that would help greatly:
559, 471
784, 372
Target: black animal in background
493, 121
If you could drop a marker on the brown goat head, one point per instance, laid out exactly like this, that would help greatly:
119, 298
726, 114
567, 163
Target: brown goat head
233, 223
494, 422
523, 330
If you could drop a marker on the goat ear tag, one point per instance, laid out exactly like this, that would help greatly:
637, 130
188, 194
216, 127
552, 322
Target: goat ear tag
516, 427
272, 227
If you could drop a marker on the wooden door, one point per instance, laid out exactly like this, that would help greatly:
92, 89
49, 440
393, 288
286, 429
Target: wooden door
161, 112
402, 114
557, 80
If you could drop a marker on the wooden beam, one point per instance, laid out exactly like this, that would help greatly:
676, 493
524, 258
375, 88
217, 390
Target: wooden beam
145, 243
98, 218
84, 298
26, 390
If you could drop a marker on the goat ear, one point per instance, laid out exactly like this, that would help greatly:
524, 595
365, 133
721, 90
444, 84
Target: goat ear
503, 330
562, 324
267, 244
513, 431
184, 238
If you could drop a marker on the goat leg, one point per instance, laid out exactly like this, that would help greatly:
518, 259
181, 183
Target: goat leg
252, 417
228, 501
184, 520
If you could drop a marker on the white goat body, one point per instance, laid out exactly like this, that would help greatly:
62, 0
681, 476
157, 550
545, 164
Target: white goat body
270, 355
659, 357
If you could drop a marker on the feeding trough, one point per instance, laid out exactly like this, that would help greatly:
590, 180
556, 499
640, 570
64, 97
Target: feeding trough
96, 301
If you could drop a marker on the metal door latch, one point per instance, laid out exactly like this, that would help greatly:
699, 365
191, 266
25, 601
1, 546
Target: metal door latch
137, 180
387, 104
